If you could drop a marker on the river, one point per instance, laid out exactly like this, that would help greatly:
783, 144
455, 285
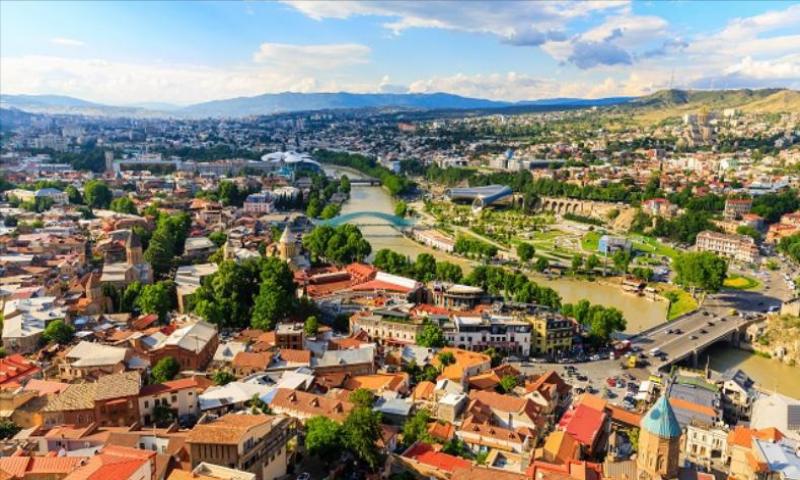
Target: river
639, 312
769, 374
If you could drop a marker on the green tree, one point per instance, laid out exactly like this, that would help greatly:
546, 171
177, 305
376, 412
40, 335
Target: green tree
362, 429
749, 231
344, 184
97, 194
577, 263
592, 262
129, 296
226, 298
323, 438
156, 298
341, 245
416, 428
165, 370
507, 384
329, 211
525, 251
400, 208
425, 267
621, 259
702, 270
221, 377
58, 332
163, 415
541, 264
124, 205
218, 238
8, 429
446, 359
314, 208
74, 195
431, 336
276, 295
448, 272
311, 326
361, 397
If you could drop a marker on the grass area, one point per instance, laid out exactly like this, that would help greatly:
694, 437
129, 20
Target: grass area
682, 302
741, 282
590, 241
652, 245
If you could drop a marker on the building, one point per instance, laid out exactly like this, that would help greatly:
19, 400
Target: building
290, 336
188, 279
180, 396
387, 326
123, 261
25, 319
551, 333
91, 360
198, 248
778, 411
119, 463
607, 244
482, 437
116, 399
659, 207
455, 296
738, 395
706, 445
467, 364
304, 405
15, 370
737, 247
659, 443
251, 443
736, 208
477, 333
259, 204
434, 239
193, 345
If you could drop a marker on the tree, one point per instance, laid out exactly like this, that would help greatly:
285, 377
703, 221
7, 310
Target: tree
495, 357
416, 428
165, 370
703, 270
446, 359
163, 415
74, 195
507, 384
314, 208
129, 296
361, 397
8, 429
323, 438
621, 259
749, 231
425, 267
643, 273
448, 272
362, 429
226, 298
525, 251
431, 336
341, 245
156, 298
541, 264
400, 208
97, 194
592, 262
276, 295
124, 205
218, 238
577, 263
222, 377
258, 406
58, 332
329, 211
344, 184
311, 326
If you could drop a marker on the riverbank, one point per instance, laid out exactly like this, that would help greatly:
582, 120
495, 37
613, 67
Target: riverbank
768, 373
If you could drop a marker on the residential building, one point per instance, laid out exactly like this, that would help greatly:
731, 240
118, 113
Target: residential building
198, 247
15, 370
741, 454
304, 405
290, 335
251, 443
706, 445
467, 364
181, 396
118, 463
778, 411
25, 319
456, 297
477, 333
116, 399
737, 247
355, 361
738, 395
188, 279
481, 437
551, 333
193, 345
504, 410
91, 360
231, 397
736, 208
259, 204
387, 326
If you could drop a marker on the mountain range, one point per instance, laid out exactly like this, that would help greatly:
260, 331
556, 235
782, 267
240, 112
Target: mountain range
662, 104
286, 102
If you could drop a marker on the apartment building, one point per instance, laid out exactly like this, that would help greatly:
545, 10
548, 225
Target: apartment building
180, 396
251, 443
551, 333
387, 326
258, 204
736, 208
478, 333
736, 247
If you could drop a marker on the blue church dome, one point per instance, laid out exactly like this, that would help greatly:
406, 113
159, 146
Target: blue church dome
661, 421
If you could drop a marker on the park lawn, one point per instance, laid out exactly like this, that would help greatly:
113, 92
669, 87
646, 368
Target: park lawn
590, 241
741, 282
652, 245
685, 303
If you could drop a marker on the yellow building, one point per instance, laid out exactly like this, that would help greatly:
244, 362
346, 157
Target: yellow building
551, 333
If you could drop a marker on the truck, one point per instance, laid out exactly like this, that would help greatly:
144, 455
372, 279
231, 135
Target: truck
631, 361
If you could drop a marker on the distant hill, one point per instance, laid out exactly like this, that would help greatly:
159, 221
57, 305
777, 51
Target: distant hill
57, 104
674, 103
11, 118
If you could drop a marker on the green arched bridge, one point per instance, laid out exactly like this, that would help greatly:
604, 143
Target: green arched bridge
367, 218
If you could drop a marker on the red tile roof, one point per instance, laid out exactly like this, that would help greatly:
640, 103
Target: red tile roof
424, 453
175, 385
14, 368
584, 423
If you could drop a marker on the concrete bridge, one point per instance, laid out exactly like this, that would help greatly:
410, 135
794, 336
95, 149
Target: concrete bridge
697, 333
368, 182
587, 208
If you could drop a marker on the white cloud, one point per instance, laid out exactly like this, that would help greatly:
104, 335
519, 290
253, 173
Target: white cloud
122, 82
311, 57
505, 19
67, 42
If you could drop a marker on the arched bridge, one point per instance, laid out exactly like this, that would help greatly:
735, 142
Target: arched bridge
588, 208
369, 218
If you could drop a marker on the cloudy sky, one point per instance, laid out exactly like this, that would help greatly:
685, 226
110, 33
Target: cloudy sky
183, 52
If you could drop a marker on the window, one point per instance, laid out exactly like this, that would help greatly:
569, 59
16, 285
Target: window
146, 404
174, 398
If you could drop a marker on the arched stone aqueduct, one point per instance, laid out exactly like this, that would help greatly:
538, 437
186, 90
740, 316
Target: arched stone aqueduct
587, 208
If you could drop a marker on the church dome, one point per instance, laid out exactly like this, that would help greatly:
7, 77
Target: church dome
661, 421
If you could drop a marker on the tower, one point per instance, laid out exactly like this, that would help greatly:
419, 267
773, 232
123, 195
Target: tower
286, 245
659, 443
133, 249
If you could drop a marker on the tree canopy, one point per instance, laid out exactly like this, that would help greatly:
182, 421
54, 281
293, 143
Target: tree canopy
165, 370
431, 336
97, 194
58, 332
703, 270
340, 245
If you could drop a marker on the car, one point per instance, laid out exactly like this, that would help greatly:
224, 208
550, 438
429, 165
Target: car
723, 319
710, 324
632, 387
692, 337
611, 381
621, 383
304, 476
670, 331
582, 378
678, 331
703, 331
705, 313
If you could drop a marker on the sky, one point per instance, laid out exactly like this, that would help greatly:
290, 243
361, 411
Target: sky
183, 52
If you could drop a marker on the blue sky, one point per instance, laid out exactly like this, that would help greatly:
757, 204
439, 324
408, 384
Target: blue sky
185, 52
